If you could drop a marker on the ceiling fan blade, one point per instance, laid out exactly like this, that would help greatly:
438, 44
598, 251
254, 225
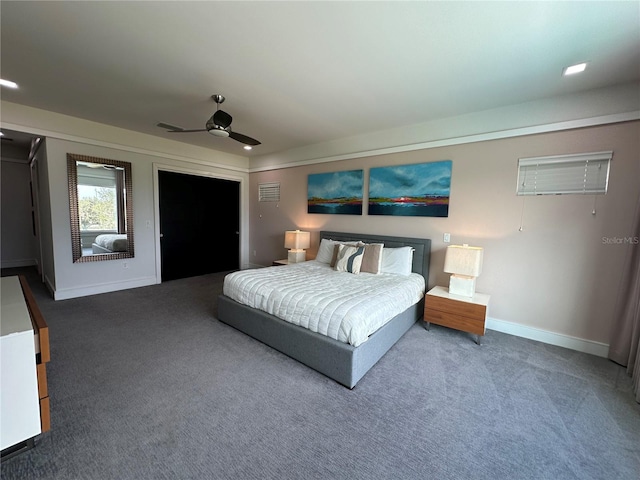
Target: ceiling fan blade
168, 126
222, 119
187, 131
173, 129
243, 139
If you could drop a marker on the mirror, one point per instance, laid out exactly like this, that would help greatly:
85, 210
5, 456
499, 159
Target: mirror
100, 194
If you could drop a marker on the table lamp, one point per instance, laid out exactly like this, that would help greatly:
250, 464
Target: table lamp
296, 241
465, 264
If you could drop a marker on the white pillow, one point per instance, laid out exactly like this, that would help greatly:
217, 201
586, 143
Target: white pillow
325, 250
397, 260
349, 259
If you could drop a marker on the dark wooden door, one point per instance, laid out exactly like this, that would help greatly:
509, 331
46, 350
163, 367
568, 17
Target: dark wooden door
199, 225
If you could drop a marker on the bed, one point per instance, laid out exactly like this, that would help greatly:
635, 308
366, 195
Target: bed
343, 362
110, 243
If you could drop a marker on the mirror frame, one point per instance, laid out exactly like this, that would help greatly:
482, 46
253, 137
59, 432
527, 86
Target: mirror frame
76, 242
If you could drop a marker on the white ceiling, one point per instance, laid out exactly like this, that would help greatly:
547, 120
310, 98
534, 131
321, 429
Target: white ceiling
303, 73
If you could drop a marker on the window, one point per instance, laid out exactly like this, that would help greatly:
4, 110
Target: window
98, 202
97, 208
584, 173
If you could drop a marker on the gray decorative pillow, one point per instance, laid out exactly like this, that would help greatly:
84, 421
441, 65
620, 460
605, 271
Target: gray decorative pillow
349, 259
372, 260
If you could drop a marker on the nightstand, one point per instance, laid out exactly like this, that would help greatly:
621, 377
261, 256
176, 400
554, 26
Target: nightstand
280, 262
468, 314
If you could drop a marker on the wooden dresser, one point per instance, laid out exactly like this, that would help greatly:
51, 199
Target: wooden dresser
24, 352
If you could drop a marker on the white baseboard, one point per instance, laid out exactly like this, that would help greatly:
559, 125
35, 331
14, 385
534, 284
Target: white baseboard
66, 293
25, 262
49, 284
574, 343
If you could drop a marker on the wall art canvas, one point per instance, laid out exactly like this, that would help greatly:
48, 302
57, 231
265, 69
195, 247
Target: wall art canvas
336, 193
419, 190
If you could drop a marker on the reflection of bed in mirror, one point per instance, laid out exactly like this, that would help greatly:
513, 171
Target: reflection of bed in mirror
110, 243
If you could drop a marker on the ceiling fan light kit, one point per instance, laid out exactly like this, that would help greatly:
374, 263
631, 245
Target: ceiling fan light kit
217, 131
219, 125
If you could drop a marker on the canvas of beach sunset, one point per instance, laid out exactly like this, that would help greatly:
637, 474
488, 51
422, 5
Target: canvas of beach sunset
411, 190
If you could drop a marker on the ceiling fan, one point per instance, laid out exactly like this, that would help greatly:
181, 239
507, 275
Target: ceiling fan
219, 125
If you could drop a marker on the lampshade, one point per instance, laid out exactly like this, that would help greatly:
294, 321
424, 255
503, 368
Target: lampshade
463, 260
296, 239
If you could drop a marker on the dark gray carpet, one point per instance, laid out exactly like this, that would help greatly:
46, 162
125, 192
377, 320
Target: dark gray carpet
147, 384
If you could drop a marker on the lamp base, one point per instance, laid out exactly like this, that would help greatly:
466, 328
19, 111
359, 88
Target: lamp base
296, 256
462, 285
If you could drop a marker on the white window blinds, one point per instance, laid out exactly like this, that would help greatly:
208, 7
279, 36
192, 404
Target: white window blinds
269, 192
584, 173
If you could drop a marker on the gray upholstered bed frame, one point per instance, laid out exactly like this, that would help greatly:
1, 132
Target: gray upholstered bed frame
342, 362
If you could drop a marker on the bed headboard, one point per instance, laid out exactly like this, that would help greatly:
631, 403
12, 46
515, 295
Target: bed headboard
421, 246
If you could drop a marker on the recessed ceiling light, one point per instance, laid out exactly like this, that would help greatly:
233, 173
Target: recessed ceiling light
1, 134
573, 69
247, 147
8, 83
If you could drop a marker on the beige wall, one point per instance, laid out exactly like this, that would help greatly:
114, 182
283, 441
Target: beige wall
557, 275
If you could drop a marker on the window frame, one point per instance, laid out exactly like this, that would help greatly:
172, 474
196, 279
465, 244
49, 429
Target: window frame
571, 174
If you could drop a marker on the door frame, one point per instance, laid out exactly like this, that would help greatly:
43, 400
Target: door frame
243, 201
35, 209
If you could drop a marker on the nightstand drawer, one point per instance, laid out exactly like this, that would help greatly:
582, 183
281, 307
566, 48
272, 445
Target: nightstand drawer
459, 322
455, 307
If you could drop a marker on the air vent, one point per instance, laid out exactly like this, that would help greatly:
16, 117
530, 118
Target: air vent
268, 192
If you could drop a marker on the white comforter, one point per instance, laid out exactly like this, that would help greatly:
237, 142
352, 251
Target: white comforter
340, 305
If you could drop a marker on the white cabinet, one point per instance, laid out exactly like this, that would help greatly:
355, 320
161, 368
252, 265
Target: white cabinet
20, 398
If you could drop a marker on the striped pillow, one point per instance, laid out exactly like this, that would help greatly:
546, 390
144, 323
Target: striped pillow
336, 249
349, 259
